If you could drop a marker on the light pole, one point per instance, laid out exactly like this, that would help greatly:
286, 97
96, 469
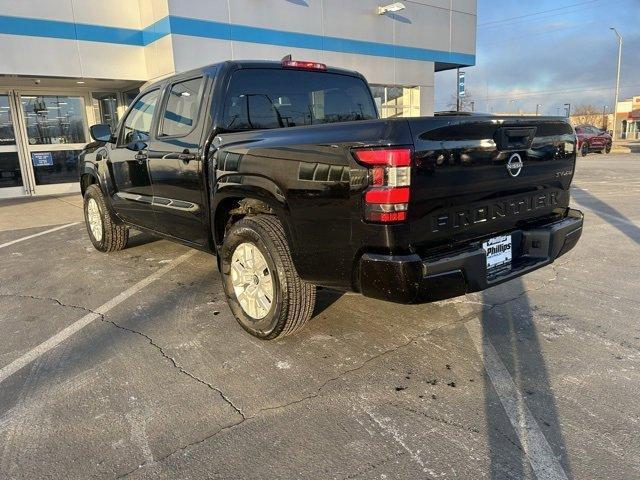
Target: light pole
567, 107
538, 105
604, 118
473, 106
514, 105
615, 107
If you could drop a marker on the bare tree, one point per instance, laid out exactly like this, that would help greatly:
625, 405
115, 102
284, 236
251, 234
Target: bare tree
589, 115
465, 102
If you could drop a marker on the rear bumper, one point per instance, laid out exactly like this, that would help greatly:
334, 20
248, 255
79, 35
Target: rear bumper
412, 279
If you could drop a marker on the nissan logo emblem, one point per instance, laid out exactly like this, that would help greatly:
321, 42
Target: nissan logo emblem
514, 165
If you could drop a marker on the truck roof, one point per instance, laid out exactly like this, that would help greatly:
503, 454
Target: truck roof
242, 64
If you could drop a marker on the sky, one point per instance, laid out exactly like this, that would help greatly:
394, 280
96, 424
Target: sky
549, 52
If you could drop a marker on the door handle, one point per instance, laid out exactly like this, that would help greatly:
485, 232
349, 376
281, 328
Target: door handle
186, 157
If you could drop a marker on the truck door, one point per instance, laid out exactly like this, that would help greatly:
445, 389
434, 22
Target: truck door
175, 164
130, 170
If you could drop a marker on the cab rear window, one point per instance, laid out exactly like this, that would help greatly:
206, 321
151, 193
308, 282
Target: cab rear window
263, 98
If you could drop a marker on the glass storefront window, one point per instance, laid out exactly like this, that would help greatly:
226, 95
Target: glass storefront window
10, 175
396, 101
56, 166
7, 136
130, 96
105, 106
54, 119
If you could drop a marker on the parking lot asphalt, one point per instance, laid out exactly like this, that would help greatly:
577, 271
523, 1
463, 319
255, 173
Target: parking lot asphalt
130, 365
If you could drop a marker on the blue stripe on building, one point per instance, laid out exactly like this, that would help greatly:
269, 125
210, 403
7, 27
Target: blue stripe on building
221, 31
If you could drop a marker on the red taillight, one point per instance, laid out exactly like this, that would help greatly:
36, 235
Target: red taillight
387, 198
303, 65
387, 195
390, 157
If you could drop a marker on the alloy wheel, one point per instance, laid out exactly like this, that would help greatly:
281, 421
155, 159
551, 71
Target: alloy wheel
95, 219
252, 280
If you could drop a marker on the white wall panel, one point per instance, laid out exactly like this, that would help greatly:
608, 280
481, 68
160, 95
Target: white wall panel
37, 56
279, 15
192, 52
427, 96
463, 33
423, 27
105, 60
215, 10
159, 58
414, 72
112, 13
432, 3
257, 51
50, 9
152, 10
375, 69
465, 6
356, 20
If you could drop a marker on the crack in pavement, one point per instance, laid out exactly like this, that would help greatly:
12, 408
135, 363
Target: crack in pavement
48, 299
242, 416
148, 338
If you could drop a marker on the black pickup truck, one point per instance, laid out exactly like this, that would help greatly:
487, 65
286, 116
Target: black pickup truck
286, 173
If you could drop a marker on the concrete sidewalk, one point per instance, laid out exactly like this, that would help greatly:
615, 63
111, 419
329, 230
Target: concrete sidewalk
21, 213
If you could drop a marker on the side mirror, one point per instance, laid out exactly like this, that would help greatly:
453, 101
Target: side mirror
138, 141
136, 146
101, 132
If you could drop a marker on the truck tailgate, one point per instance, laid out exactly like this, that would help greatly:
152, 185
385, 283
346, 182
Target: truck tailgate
475, 176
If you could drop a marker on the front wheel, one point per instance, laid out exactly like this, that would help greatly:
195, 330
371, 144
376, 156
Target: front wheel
607, 149
263, 289
105, 233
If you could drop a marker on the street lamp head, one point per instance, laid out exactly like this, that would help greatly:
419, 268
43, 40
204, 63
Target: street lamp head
616, 32
393, 7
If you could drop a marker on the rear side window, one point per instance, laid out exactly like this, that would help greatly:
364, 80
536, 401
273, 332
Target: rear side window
140, 117
264, 98
181, 112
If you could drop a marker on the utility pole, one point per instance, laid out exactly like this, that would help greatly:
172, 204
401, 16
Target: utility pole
473, 106
604, 118
538, 105
458, 90
615, 107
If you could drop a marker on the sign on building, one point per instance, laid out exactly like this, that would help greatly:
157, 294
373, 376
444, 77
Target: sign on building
42, 159
461, 87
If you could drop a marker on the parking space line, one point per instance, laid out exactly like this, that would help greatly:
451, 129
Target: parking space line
28, 237
537, 449
75, 327
608, 215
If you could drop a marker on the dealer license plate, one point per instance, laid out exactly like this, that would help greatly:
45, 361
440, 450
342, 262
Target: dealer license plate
498, 251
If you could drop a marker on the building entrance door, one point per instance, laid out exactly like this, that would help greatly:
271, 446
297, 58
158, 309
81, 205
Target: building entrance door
54, 130
12, 180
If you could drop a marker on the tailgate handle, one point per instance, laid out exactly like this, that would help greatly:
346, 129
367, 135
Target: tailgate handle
509, 138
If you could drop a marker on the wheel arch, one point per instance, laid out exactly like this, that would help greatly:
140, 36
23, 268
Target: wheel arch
235, 202
91, 176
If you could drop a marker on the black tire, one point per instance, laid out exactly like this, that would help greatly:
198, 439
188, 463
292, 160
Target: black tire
293, 299
584, 150
607, 149
114, 236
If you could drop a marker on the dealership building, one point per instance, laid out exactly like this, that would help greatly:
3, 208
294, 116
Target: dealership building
67, 64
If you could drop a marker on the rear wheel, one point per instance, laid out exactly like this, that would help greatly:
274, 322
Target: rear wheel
263, 289
584, 150
105, 234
